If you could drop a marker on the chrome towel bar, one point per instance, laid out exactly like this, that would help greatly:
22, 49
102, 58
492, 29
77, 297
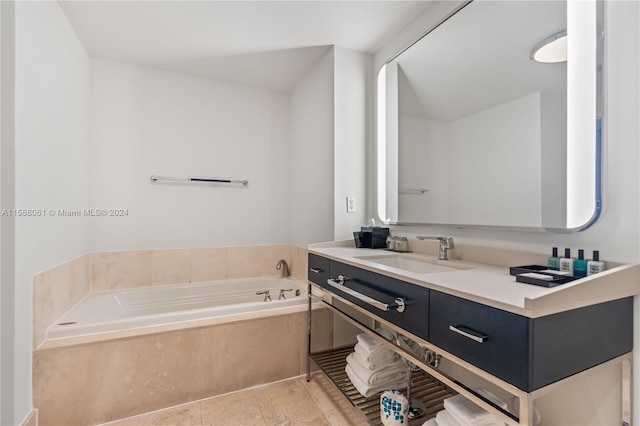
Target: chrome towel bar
338, 283
154, 178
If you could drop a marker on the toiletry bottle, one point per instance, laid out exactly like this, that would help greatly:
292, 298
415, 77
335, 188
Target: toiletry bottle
554, 261
580, 265
594, 266
566, 263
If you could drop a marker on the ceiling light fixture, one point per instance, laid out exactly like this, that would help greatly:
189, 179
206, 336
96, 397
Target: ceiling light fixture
551, 50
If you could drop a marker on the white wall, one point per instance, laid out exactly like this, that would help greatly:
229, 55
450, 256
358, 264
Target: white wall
148, 122
352, 85
425, 158
52, 171
495, 167
7, 201
312, 144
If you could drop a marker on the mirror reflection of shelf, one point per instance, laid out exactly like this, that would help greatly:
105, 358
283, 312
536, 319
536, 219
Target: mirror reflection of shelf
412, 191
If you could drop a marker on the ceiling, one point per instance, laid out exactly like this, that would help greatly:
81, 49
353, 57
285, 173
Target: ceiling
270, 44
480, 58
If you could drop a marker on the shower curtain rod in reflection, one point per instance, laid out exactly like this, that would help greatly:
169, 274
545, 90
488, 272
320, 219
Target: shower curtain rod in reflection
198, 179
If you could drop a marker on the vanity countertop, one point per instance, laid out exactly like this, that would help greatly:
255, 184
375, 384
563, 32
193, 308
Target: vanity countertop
493, 285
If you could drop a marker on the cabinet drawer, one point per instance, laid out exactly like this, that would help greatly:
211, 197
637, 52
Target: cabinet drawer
493, 340
318, 269
414, 318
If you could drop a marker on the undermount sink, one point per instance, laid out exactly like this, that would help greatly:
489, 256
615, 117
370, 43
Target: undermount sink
409, 264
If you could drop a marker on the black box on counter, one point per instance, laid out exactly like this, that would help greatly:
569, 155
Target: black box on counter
371, 237
540, 275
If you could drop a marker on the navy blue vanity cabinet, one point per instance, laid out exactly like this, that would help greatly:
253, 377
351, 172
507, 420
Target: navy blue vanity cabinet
530, 353
415, 316
318, 269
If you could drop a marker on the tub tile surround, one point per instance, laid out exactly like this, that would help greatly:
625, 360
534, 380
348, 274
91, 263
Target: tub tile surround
58, 289
114, 379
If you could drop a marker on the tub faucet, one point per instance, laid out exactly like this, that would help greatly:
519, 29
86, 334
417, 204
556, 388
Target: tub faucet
445, 244
282, 290
267, 298
285, 268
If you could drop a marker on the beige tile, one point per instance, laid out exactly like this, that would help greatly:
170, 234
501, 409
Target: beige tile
170, 267
208, 264
32, 419
55, 291
244, 262
127, 269
79, 279
270, 257
98, 271
330, 401
240, 408
297, 412
129, 421
281, 393
101, 381
188, 414
299, 263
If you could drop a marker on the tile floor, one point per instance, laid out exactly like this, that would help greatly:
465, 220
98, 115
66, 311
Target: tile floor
290, 402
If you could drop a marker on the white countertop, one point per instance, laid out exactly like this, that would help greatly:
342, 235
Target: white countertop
493, 285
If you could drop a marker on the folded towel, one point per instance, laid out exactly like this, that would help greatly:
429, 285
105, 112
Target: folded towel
468, 413
444, 418
367, 390
379, 356
393, 371
356, 357
369, 343
431, 422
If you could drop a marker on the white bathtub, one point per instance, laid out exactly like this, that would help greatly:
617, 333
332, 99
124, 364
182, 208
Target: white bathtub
117, 310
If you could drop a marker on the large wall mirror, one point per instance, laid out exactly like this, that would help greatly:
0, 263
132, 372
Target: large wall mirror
475, 131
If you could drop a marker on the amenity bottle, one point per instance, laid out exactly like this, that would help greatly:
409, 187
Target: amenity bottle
566, 263
580, 265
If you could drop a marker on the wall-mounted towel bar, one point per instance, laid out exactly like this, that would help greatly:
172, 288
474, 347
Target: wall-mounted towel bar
416, 191
198, 179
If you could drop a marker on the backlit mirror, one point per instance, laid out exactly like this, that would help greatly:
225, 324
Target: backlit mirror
473, 131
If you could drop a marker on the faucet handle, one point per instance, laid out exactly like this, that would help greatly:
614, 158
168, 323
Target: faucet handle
447, 242
267, 297
282, 290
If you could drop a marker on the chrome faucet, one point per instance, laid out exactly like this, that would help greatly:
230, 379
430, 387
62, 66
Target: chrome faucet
445, 244
285, 268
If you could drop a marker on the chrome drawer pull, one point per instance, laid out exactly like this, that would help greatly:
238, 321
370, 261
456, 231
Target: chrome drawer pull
467, 332
338, 283
316, 270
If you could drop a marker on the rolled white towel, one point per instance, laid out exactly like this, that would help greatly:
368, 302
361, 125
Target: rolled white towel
367, 390
468, 413
392, 372
444, 418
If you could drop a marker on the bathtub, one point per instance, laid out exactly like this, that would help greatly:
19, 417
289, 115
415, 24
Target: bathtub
131, 309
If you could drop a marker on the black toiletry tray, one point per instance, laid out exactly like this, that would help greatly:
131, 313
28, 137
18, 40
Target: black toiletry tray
555, 281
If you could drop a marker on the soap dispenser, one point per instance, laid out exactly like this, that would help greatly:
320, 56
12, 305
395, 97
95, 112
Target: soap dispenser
566, 263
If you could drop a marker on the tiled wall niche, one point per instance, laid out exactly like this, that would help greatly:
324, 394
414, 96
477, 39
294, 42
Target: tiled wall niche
58, 289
